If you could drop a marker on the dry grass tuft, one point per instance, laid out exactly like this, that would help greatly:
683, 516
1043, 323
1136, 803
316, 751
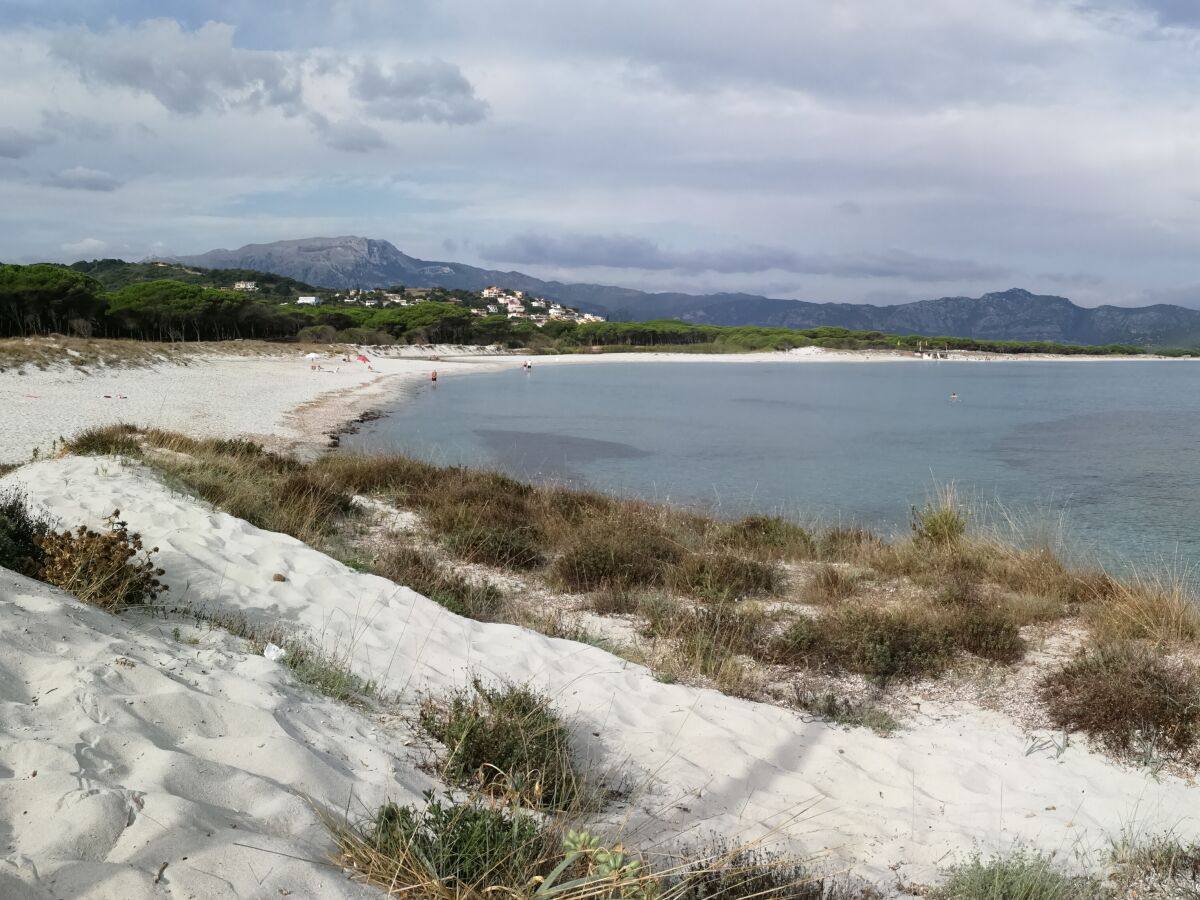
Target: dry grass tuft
1160, 610
830, 584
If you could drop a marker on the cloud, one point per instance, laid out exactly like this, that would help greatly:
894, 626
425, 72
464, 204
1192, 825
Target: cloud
80, 178
347, 135
79, 128
628, 252
433, 91
85, 248
17, 144
188, 72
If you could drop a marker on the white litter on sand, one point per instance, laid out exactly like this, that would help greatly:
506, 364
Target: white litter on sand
204, 741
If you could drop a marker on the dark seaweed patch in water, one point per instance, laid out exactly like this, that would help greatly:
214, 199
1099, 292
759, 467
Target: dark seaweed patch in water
551, 454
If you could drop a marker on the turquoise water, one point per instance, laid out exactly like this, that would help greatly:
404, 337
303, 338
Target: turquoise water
1111, 448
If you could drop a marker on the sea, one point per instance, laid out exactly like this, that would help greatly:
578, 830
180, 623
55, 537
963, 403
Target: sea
1101, 458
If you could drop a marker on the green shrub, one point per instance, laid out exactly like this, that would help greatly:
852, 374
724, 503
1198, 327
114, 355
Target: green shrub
769, 534
508, 740
471, 845
20, 534
617, 555
416, 569
109, 569
1124, 694
1019, 876
724, 576
882, 644
986, 630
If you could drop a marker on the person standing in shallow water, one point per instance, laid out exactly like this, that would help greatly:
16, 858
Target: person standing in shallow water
433, 376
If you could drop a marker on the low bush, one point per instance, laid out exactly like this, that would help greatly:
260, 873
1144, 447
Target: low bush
1019, 876
1128, 697
109, 568
617, 555
725, 576
419, 570
768, 535
984, 629
883, 644
21, 532
507, 740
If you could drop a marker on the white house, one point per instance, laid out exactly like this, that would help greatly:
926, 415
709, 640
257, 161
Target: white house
307, 301
489, 292
245, 285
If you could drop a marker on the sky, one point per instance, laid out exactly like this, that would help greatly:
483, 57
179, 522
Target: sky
831, 150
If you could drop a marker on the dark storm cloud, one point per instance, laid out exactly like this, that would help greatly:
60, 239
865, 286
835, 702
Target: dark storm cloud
626, 252
433, 91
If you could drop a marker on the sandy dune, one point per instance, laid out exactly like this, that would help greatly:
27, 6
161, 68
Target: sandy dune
186, 747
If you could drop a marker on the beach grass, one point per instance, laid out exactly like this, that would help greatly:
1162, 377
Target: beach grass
506, 740
731, 604
1017, 876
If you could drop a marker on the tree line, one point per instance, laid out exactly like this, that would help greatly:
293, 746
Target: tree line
49, 299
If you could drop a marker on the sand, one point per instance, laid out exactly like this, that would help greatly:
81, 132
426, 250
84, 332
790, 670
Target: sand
281, 402
142, 765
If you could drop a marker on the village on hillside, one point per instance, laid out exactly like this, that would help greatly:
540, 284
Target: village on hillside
491, 301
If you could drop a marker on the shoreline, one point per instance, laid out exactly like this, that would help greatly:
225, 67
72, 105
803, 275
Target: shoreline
330, 415
275, 397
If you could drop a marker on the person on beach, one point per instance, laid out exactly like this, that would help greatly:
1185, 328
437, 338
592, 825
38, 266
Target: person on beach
433, 376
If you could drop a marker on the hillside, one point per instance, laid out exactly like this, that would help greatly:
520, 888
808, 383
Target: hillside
114, 274
1016, 314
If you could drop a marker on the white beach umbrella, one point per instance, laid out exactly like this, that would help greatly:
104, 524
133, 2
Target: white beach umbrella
312, 355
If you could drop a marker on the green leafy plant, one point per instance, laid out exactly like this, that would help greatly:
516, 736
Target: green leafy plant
21, 532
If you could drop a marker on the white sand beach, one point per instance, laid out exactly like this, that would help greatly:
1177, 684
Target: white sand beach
122, 749
281, 401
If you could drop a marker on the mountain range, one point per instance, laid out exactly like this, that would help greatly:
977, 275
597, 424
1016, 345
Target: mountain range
348, 262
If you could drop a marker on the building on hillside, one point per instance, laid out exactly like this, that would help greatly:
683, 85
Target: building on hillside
490, 292
307, 301
245, 285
